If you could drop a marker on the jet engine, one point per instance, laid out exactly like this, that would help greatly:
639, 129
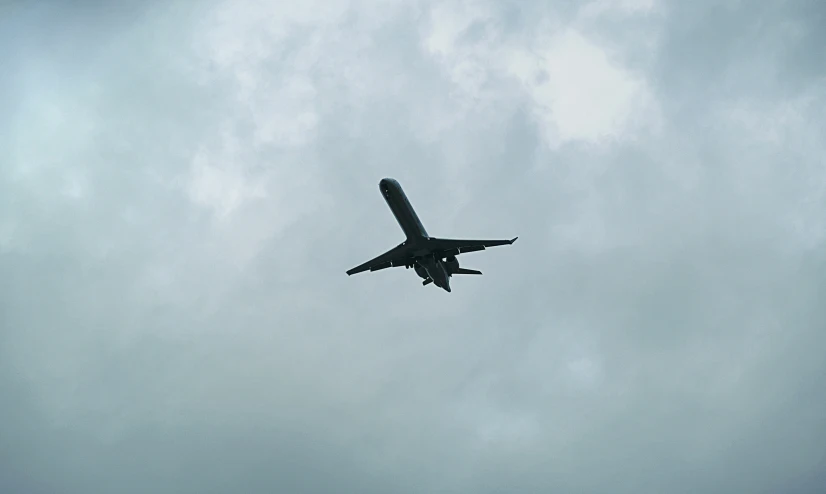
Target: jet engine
452, 264
421, 271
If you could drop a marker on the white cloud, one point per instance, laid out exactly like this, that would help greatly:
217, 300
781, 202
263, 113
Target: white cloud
469, 64
619, 7
7, 234
788, 129
584, 371
578, 93
581, 95
448, 21
222, 187
251, 201
254, 167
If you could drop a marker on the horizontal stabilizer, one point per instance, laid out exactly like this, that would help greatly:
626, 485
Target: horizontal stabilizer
467, 271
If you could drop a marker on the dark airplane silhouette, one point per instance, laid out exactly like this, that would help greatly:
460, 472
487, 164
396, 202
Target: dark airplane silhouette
433, 259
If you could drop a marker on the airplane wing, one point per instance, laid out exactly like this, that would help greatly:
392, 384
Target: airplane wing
397, 256
453, 247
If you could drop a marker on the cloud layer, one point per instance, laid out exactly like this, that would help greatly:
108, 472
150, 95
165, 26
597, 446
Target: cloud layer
183, 187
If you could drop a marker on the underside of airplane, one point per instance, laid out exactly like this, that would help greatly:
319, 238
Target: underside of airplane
433, 259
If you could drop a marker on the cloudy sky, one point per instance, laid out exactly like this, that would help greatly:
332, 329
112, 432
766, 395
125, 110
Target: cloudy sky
184, 184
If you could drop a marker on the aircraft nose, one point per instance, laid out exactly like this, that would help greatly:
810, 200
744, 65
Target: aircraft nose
387, 183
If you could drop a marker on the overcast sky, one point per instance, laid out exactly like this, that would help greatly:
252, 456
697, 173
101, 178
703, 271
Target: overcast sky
184, 184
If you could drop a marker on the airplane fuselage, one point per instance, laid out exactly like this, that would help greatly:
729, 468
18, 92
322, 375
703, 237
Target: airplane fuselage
407, 218
415, 232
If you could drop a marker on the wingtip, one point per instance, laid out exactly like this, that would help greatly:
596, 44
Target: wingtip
514, 239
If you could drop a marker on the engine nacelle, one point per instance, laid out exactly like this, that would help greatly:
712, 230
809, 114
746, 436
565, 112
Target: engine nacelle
452, 264
420, 271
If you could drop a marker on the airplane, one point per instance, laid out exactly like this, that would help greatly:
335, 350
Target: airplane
433, 259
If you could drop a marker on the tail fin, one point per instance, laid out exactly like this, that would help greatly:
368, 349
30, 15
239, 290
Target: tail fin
467, 271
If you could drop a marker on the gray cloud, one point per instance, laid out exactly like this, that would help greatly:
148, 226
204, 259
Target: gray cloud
185, 185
